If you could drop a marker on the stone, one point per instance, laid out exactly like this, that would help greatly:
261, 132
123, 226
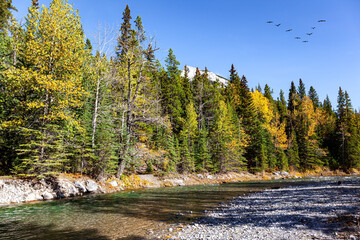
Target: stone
91, 185
352, 237
176, 182
114, 183
47, 196
80, 186
210, 176
38, 196
30, 197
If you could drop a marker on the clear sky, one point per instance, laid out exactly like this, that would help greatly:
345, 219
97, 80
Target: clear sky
217, 34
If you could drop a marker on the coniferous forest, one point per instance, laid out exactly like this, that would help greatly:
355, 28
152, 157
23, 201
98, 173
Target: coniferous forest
65, 106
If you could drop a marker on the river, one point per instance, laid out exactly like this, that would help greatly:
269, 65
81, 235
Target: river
123, 215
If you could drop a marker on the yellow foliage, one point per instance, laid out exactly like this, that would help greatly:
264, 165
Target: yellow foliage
54, 47
263, 105
306, 111
271, 121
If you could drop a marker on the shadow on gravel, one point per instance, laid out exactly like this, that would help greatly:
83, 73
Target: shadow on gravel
309, 207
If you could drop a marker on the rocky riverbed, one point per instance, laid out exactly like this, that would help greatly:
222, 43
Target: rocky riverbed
14, 190
321, 210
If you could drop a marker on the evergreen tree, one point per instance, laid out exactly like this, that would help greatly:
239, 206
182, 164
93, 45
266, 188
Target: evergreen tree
281, 107
203, 156
327, 106
314, 97
301, 90
125, 35
268, 93
172, 92
228, 140
293, 102
133, 66
188, 135
353, 145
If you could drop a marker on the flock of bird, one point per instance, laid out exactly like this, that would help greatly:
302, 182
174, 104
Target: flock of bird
290, 29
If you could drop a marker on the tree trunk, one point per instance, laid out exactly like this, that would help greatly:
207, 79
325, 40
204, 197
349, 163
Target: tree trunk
94, 123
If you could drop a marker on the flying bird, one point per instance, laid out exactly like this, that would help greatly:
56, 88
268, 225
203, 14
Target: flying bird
288, 30
322, 21
313, 27
297, 37
309, 34
278, 24
305, 41
269, 22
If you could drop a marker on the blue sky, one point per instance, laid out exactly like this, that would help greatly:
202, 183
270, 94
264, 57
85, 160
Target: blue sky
217, 34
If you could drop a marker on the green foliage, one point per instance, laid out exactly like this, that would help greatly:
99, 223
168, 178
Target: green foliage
63, 109
5, 13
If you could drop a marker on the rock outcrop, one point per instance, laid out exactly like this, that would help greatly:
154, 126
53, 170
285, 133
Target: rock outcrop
18, 191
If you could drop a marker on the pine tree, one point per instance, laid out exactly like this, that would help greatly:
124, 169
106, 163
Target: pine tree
301, 90
281, 107
188, 135
203, 156
268, 93
353, 145
125, 35
228, 141
133, 65
203, 98
314, 97
327, 106
172, 92
233, 74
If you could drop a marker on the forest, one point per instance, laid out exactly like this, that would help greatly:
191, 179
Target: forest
66, 106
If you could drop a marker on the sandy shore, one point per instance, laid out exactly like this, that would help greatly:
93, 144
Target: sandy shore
321, 210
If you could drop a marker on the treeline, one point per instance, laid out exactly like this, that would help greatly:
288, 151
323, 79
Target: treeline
64, 108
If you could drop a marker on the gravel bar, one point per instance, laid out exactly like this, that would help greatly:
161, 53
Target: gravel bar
299, 212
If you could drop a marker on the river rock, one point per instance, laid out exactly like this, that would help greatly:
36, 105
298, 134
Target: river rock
47, 196
176, 182
80, 186
91, 185
66, 189
30, 197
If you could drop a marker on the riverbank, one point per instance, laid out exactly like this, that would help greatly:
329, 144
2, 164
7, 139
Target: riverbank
14, 190
322, 210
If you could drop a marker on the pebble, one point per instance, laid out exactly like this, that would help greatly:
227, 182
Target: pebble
299, 212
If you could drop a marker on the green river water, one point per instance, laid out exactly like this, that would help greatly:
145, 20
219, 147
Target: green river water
123, 215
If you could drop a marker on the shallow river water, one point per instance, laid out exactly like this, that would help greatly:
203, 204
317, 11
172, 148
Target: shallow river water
123, 215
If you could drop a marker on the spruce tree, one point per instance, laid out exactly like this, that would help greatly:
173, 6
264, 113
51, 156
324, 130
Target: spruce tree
327, 106
172, 92
125, 35
314, 97
301, 90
